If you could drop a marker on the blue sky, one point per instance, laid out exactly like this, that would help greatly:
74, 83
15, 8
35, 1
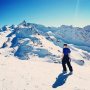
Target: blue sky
46, 12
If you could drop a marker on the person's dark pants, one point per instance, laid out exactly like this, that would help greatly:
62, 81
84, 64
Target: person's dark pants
66, 60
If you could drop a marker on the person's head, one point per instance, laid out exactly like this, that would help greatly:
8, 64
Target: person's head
65, 45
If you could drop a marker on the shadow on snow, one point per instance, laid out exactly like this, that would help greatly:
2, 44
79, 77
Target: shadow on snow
61, 79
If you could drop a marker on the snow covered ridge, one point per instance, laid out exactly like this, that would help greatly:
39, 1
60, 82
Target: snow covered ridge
26, 40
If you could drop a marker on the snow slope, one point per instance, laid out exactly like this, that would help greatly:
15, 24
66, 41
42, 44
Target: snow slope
34, 74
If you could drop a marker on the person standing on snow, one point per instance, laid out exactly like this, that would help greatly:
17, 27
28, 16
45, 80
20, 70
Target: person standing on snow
66, 59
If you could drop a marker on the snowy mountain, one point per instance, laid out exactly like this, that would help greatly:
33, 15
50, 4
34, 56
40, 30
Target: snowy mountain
27, 39
31, 57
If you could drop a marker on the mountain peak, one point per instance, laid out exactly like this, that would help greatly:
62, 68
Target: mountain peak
23, 23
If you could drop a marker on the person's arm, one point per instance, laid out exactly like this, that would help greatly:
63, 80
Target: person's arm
69, 53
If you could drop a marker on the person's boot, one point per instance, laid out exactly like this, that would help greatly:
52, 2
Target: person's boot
64, 71
71, 72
